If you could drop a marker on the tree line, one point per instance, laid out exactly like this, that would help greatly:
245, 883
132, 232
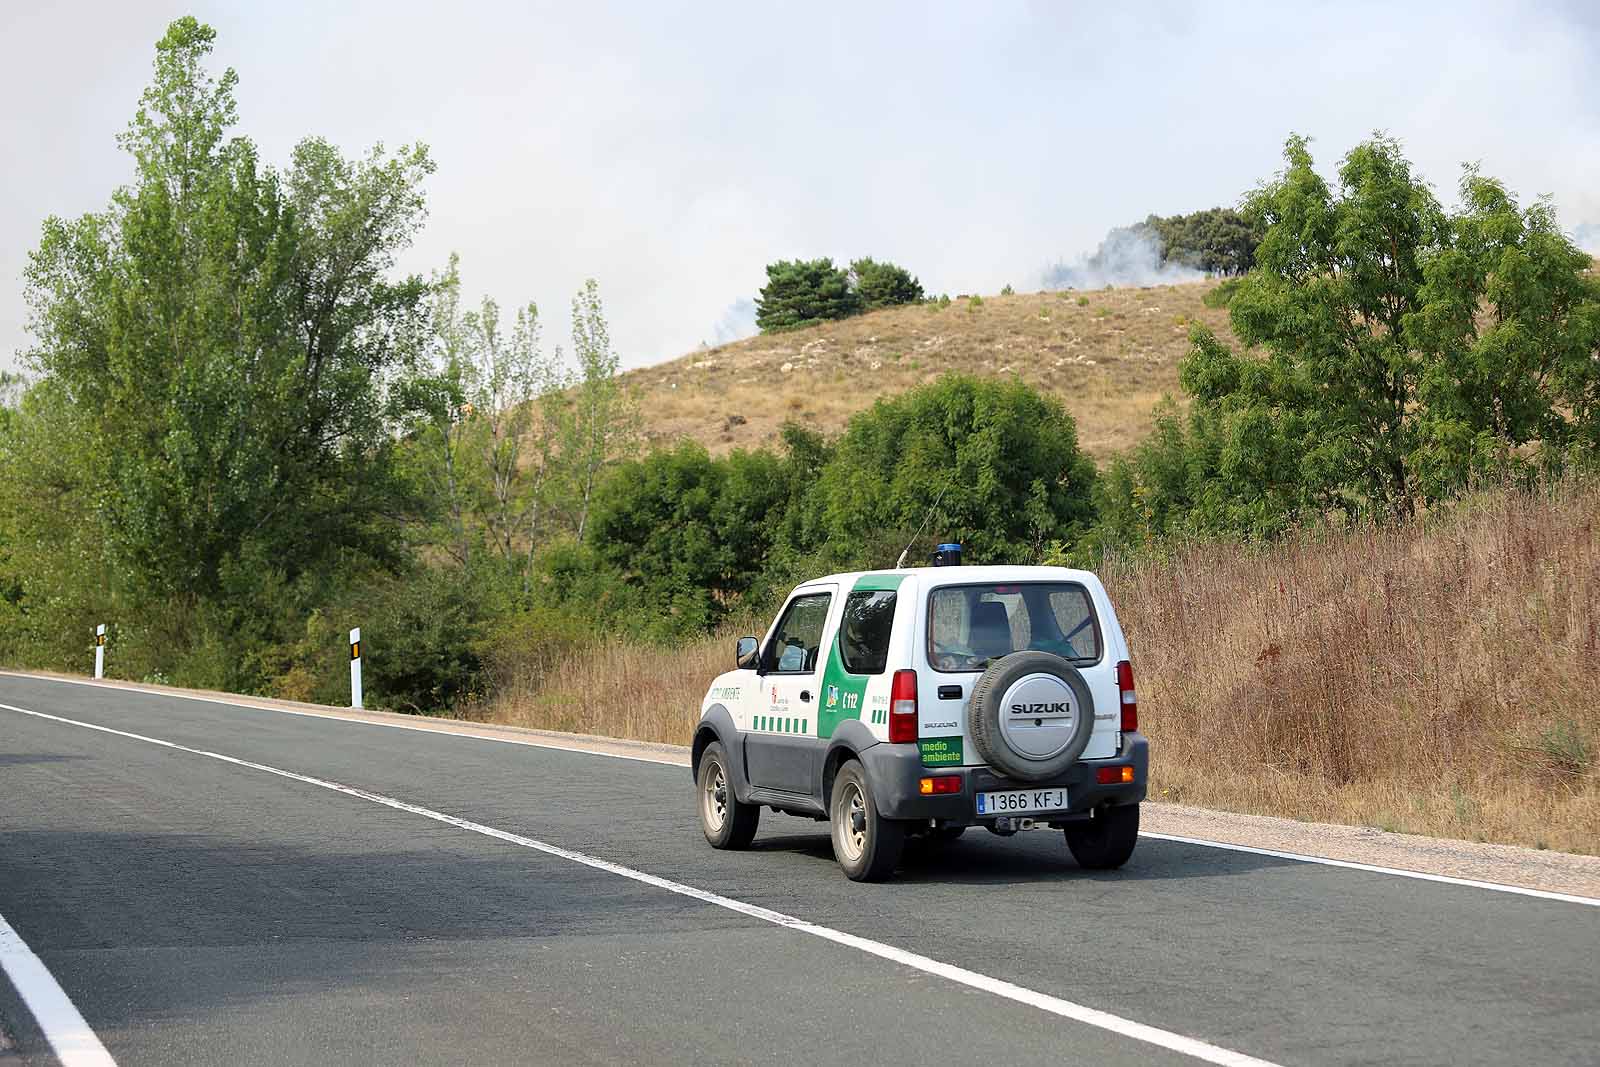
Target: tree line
245, 433
804, 292
1219, 241
1396, 353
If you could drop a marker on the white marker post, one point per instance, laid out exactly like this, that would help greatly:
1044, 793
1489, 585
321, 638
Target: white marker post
100, 651
355, 667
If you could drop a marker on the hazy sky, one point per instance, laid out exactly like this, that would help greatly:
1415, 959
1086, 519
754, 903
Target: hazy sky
671, 150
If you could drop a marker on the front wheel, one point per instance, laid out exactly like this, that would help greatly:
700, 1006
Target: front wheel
726, 822
866, 844
1106, 841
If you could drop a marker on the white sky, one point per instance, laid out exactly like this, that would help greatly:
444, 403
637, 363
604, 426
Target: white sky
671, 151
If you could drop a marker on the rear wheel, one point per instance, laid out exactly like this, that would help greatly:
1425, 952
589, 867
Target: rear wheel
1105, 841
726, 822
866, 844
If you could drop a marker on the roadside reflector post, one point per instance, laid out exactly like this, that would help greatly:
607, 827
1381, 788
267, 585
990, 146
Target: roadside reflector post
355, 667
100, 651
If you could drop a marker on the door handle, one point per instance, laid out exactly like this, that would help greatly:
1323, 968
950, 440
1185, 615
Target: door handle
949, 692
805, 695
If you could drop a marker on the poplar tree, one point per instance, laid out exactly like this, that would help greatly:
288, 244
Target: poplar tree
223, 335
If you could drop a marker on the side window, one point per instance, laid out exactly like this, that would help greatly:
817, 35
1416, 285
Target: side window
798, 638
864, 632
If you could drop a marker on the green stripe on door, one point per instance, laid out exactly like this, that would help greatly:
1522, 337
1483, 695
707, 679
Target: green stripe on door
781, 724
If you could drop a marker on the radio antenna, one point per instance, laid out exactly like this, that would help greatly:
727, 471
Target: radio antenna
901, 562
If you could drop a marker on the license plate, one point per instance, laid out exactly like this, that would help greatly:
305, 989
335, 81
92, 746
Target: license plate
1022, 801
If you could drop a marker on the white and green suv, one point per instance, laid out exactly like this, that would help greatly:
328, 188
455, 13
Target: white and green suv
922, 701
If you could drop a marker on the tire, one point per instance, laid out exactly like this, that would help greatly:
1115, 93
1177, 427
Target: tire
1057, 743
866, 844
1105, 842
726, 822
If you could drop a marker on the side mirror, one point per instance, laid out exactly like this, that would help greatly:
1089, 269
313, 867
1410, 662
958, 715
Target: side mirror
745, 653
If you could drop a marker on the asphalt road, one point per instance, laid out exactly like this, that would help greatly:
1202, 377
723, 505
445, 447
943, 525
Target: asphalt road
202, 911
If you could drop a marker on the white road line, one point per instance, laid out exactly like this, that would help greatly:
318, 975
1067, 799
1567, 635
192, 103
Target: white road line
74, 1043
1369, 868
448, 727
1498, 887
1067, 1009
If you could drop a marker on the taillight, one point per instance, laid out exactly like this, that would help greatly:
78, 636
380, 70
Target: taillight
1130, 699
903, 707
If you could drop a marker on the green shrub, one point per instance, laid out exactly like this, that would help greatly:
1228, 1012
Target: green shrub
520, 649
422, 635
1565, 749
690, 534
1221, 295
1000, 459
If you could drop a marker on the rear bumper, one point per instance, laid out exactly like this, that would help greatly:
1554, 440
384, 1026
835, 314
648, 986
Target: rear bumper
894, 771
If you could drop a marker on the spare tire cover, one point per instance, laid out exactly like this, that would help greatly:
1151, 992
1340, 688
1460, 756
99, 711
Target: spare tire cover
1031, 715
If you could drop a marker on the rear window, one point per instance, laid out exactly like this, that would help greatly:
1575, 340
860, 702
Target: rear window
970, 625
864, 631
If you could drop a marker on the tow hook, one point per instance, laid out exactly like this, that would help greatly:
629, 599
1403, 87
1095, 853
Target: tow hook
1005, 825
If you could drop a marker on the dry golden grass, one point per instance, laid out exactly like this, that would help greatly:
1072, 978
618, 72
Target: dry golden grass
1437, 679
618, 689
1440, 679
1109, 355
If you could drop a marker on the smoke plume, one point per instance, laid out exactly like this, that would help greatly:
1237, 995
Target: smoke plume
737, 323
1130, 255
1587, 237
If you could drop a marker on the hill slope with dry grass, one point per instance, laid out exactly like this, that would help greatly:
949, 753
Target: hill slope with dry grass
1109, 355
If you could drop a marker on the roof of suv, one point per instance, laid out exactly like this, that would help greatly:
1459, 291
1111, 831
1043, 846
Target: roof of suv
965, 575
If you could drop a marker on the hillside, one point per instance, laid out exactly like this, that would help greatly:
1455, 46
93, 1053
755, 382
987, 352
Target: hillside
1108, 354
